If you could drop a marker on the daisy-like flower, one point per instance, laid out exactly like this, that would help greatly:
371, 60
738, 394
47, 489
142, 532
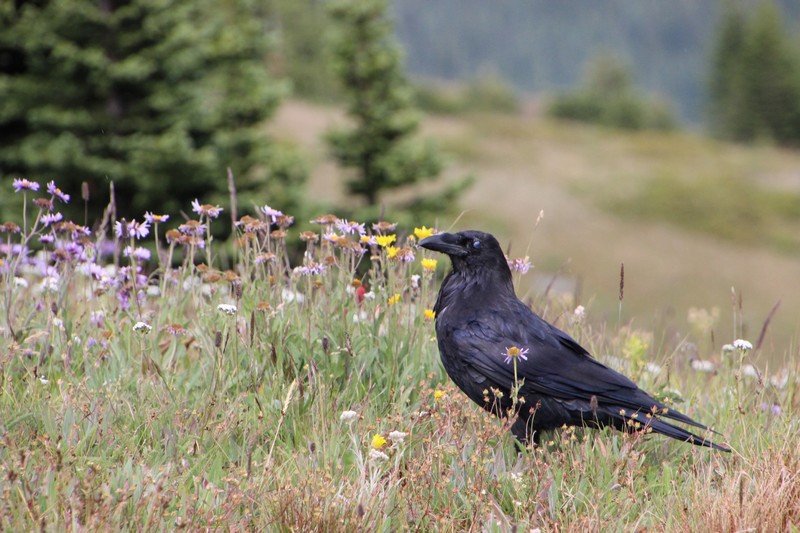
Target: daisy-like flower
378, 441
394, 299
369, 240
521, 265
430, 314
429, 264
348, 416
391, 251
271, 214
350, 227
142, 327
423, 232
9, 227
438, 395
228, 309
155, 219
513, 353
141, 254
51, 218
211, 211
406, 255
125, 229
384, 227
385, 240
331, 237
743, 345
192, 227
56, 192
23, 184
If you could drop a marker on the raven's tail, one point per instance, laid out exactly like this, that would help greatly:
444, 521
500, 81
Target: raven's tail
657, 425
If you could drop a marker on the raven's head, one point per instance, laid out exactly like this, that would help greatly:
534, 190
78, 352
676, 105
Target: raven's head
470, 251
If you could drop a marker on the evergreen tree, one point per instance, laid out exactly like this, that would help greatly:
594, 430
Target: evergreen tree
379, 146
754, 90
158, 96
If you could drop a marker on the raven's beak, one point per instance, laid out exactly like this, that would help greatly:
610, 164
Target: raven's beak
446, 243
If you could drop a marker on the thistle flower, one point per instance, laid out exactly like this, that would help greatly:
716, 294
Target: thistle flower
57, 193
211, 211
423, 232
513, 353
20, 184
227, 309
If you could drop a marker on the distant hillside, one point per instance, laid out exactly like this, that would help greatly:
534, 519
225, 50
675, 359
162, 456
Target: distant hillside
539, 45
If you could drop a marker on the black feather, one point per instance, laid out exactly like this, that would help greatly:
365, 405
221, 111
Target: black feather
478, 317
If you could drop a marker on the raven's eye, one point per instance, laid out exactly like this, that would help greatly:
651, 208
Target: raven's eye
476, 244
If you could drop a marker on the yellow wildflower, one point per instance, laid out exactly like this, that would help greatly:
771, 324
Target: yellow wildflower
391, 251
429, 264
430, 314
423, 232
394, 299
385, 240
378, 441
438, 394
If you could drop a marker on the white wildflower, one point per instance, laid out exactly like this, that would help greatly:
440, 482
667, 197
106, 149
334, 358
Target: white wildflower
348, 416
398, 436
20, 282
652, 368
728, 349
701, 365
750, 371
43, 379
228, 309
142, 327
377, 455
743, 345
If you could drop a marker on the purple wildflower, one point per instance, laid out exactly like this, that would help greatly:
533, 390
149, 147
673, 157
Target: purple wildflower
51, 218
57, 193
270, 213
512, 353
155, 219
211, 211
349, 227
23, 184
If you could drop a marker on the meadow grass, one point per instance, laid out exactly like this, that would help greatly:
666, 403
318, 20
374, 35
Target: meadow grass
162, 393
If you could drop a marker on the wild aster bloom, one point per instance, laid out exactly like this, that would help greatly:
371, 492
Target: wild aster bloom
438, 395
423, 232
349, 227
271, 214
192, 227
521, 265
10, 227
96, 318
23, 184
384, 227
742, 345
227, 309
325, 220
331, 237
429, 264
378, 441
124, 229
155, 219
51, 218
57, 193
142, 327
430, 314
47, 238
394, 299
175, 329
385, 240
406, 255
44, 203
310, 269
348, 416
369, 240
141, 254
211, 211
512, 353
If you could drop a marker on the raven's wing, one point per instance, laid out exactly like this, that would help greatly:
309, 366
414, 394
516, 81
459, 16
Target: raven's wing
556, 366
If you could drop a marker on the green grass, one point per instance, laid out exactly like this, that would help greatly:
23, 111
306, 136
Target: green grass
213, 420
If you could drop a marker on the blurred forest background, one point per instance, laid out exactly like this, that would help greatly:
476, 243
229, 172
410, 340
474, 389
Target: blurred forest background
659, 134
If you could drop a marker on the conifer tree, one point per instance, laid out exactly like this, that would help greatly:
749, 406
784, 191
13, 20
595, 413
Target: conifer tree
379, 147
158, 96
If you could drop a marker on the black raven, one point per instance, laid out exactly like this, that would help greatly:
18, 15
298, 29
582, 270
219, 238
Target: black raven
484, 332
